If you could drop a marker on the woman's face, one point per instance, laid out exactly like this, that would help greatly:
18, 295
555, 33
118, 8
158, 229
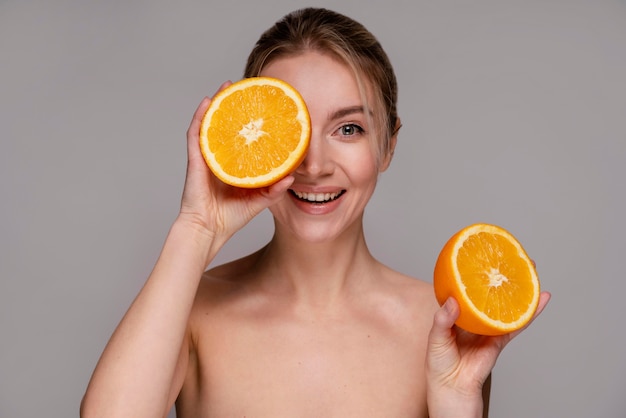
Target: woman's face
339, 173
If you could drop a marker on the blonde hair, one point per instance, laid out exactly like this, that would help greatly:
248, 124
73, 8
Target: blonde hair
330, 32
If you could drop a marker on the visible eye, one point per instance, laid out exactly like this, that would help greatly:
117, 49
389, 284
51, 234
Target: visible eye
350, 129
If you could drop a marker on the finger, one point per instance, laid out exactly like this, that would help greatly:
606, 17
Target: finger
442, 355
442, 331
193, 132
278, 189
544, 298
223, 86
270, 195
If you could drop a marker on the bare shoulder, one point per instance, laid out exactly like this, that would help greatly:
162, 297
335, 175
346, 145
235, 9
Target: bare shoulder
403, 302
225, 285
410, 288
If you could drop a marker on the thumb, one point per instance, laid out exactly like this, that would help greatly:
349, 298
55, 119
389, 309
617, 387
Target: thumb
442, 353
259, 199
442, 337
444, 320
275, 192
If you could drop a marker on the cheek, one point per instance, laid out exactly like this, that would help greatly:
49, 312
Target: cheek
361, 163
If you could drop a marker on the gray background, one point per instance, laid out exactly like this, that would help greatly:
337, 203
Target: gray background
513, 112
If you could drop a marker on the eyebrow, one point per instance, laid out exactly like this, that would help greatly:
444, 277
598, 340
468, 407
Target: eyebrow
338, 114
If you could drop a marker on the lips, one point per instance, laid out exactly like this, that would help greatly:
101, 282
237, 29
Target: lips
317, 197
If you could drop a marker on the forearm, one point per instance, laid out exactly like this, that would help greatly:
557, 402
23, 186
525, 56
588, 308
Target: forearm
135, 373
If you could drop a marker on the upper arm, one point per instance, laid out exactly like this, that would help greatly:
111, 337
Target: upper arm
180, 372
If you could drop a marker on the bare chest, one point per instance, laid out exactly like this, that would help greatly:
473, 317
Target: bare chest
294, 368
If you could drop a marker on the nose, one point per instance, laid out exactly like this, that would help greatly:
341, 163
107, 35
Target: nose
318, 161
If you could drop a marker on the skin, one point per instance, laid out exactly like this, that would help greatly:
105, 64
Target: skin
310, 325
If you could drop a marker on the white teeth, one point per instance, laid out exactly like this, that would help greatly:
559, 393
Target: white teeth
316, 197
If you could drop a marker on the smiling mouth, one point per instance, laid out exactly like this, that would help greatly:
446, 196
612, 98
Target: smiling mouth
317, 197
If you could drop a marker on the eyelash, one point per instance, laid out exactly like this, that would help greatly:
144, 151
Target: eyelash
358, 130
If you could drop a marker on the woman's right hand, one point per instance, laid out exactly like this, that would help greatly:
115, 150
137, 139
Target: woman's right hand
214, 207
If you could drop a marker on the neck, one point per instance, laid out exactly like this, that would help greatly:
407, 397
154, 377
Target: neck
317, 274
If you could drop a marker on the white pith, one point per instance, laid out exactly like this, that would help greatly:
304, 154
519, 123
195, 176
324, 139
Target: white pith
496, 278
252, 130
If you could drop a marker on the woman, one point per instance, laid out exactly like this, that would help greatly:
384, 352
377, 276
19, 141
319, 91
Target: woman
311, 324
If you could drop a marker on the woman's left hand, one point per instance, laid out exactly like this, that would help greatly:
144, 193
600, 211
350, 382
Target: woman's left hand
458, 363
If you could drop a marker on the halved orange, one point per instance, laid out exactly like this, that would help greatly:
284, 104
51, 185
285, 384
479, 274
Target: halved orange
255, 132
486, 269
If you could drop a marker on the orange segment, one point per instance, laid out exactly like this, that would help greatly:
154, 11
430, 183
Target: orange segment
488, 272
255, 132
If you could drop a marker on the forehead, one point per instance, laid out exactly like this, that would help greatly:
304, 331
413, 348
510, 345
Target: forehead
324, 81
